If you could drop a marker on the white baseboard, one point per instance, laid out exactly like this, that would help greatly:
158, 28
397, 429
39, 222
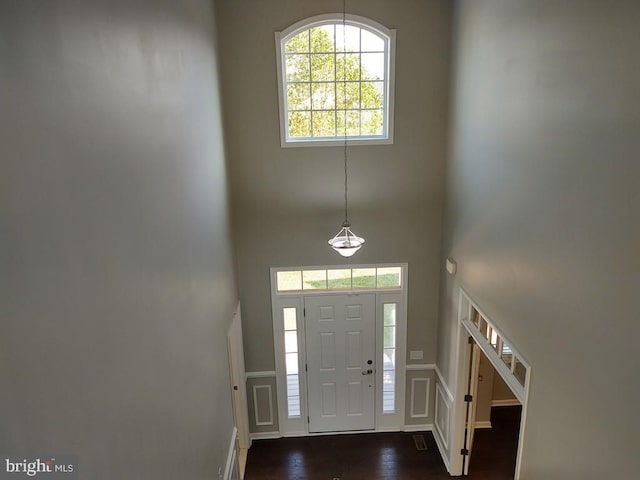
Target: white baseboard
423, 427
483, 424
443, 451
295, 434
264, 435
512, 402
387, 429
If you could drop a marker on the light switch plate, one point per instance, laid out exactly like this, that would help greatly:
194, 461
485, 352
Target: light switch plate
452, 268
416, 355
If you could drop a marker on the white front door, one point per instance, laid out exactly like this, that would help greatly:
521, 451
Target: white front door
340, 345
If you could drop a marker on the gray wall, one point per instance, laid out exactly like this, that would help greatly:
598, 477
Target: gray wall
543, 218
500, 389
288, 202
491, 388
116, 274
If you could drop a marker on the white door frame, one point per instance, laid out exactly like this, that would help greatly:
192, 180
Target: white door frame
298, 426
472, 406
237, 373
466, 329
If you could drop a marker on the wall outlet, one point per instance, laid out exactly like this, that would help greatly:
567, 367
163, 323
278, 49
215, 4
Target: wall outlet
416, 355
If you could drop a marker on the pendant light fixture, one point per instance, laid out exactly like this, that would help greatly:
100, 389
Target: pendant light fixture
345, 242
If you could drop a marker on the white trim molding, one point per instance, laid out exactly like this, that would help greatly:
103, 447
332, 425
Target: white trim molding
422, 427
500, 351
412, 412
442, 430
482, 339
483, 424
443, 452
421, 366
444, 385
512, 402
265, 435
256, 417
265, 374
232, 455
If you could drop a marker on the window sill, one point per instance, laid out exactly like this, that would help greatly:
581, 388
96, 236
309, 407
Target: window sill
351, 142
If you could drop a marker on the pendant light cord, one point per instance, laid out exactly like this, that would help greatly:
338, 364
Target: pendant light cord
346, 216
344, 94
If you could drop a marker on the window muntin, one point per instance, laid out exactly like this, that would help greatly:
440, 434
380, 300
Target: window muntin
389, 313
290, 327
506, 354
336, 81
519, 370
502, 349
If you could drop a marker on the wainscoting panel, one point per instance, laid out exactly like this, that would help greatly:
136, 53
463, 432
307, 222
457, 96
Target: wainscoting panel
419, 397
443, 416
262, 400
420, 391
263, 405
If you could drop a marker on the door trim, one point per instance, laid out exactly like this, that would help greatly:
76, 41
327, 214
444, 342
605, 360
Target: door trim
237, 374
466, 329
298, 426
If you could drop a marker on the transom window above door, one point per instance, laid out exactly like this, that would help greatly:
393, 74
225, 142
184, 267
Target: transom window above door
335, 81
339, 278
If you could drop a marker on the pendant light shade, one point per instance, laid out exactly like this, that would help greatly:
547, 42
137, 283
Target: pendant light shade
346, 243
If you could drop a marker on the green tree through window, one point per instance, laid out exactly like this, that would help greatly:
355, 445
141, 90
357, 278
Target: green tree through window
335, 83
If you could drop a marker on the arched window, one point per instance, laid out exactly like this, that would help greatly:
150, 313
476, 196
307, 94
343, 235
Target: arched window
335, 78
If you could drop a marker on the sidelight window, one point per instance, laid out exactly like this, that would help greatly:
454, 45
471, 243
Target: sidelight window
389, 312
290, 324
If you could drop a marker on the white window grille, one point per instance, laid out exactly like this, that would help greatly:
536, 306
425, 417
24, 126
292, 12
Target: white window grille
336, 81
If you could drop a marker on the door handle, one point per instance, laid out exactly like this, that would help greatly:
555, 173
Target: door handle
368, 372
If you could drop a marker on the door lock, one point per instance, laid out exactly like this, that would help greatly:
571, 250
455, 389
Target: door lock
368, 372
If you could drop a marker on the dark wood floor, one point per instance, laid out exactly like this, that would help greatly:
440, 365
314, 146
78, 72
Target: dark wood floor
383, 455
494, 450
